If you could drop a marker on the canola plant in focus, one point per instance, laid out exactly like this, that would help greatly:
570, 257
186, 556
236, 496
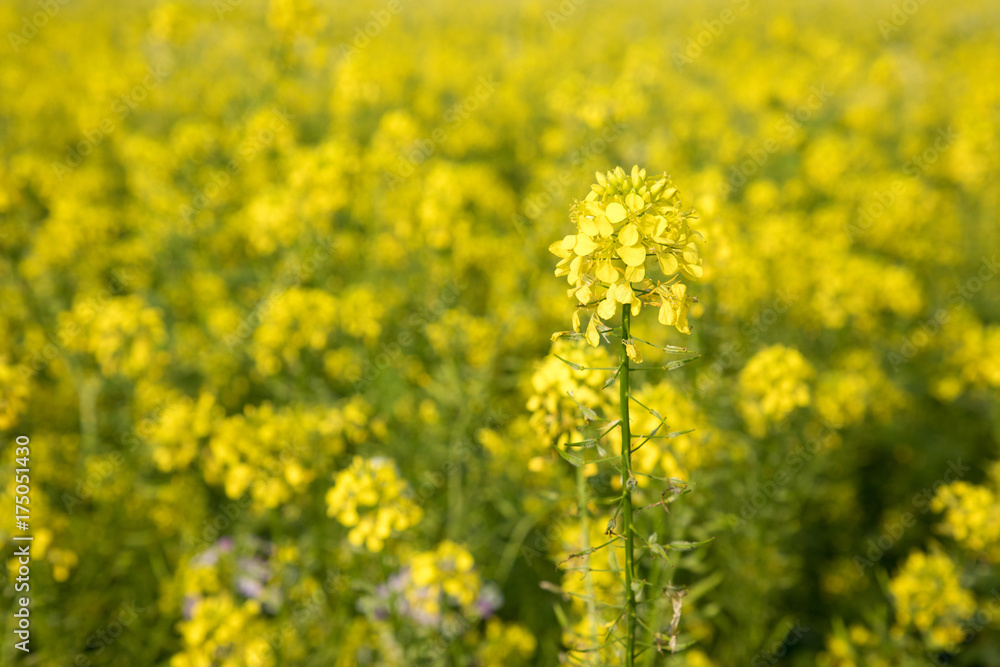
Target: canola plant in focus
276, 297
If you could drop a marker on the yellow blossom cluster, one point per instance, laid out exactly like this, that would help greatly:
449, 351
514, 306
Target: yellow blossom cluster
627, 218
929, 596
855, 388
123, 336
224, 632
178, 432
774, 382
225, 606
970, 515
972, 351
371, 499
445, 574
269, 451
505, 645
855, 646
300, 320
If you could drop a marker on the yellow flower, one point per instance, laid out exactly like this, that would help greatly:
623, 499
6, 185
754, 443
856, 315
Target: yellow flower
373, 501
626, 219
505, 645
772, 385
970, 513
448, 570
930, 597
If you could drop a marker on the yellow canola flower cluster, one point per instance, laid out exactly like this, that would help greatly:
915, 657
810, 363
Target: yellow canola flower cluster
854, 646
228, 593
772, 385
505, 645
445, 572
371, 499
124, 340
557, 389
305, 319
972, 356
223, 632
271, 453
856, 387
625, 219
970, 515
929, 596
177, 434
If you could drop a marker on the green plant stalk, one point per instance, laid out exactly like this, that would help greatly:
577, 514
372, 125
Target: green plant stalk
626, 492
581, 497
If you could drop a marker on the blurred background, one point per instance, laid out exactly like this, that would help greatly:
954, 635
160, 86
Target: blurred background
277, 304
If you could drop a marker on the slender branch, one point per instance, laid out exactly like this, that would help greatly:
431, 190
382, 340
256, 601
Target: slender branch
581, 489
626, 490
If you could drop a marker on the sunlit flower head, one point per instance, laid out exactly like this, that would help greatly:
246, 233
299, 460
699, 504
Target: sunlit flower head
626, 220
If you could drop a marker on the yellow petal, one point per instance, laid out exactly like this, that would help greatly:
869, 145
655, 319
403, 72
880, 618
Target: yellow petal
604, 226
668, 263
592, 335
583, 294
622, 292
576, 321
629, 235
587, 225
658, 223
616, 212
692, 271
682, 319
632, 255
634, 202
558, 250
606, 309
584, 245
632, 351
635, 274
606, 272
666, 316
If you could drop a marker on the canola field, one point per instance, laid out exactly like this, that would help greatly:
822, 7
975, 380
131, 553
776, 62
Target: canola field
279, 284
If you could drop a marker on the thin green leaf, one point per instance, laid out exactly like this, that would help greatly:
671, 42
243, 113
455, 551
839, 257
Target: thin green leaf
587, 552
673, 434
577, 367
575, 461
684, 545
588, 413
647, 408
669, 349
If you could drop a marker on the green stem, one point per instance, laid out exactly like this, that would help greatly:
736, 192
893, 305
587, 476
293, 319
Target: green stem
626, 491
581, 497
